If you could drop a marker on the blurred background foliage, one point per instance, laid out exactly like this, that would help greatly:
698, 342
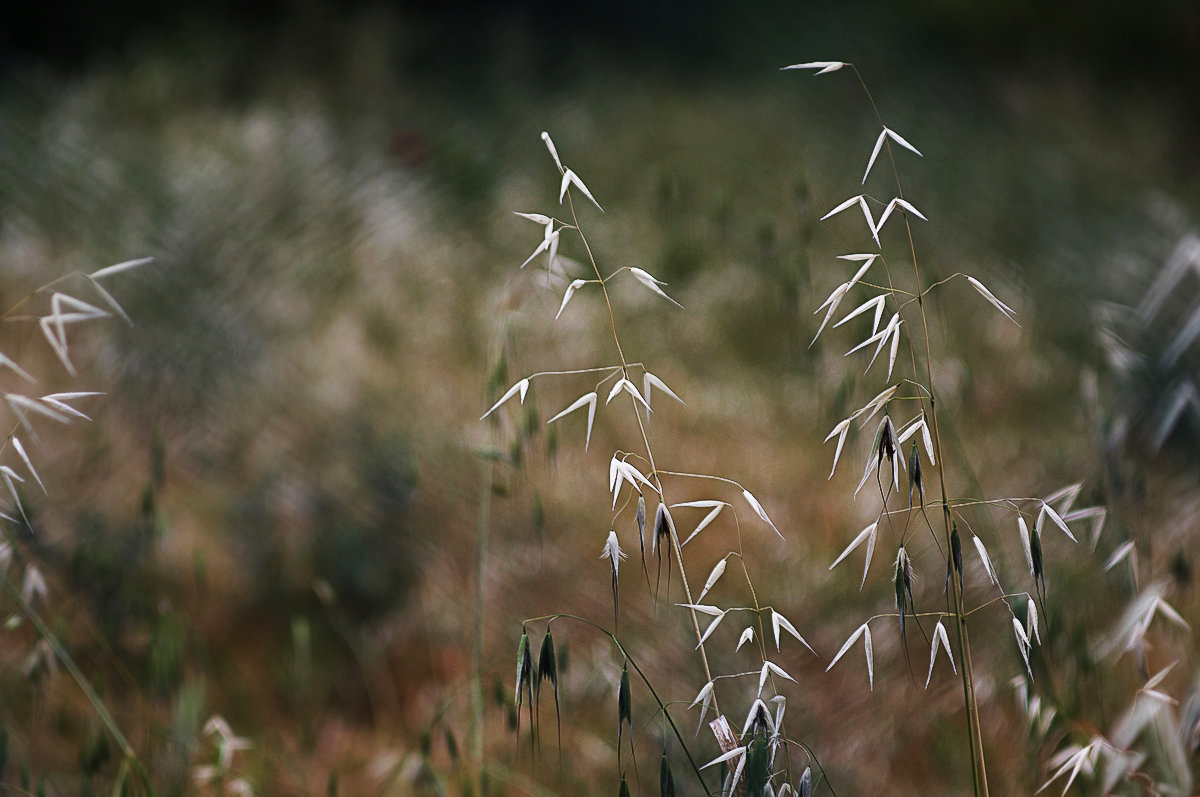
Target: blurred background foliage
273, 516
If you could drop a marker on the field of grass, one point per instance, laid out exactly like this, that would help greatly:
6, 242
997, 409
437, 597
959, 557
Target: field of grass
273, 516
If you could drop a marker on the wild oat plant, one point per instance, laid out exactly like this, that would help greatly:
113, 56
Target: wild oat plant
928, 528
756, 754
944, 550
56, 312
1140, 730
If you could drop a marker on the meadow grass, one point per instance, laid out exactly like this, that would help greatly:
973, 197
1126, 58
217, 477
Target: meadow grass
920, 524
299, 313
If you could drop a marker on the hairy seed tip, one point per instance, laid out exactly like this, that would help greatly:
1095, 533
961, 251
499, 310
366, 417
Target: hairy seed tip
612, 552
898, 579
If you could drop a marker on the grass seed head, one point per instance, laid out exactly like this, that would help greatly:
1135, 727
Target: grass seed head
903, 578
524, 668
547, 665
613, 553
805, 788
956, 553
641, 517
915, 480
548, 669
662, 526
666, 781
1035, 551
887, 442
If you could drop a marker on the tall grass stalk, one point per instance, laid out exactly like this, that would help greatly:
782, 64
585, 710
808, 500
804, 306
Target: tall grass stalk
645, 439
908, 303
927, 399
748, 757
968, 595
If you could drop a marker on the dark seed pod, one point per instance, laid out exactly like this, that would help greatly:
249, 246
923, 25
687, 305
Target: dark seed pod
624, 792
877, 443
762, 721
903, 584
547, 666
915, 480
887, 442
548, 669
1039, 574
956, 554
662, 526
666, 781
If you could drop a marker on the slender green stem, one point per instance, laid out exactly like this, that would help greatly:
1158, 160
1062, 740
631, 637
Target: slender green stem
966, 670
85, 686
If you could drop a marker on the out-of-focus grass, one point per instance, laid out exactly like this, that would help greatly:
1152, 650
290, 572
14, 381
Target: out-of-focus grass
335, 272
